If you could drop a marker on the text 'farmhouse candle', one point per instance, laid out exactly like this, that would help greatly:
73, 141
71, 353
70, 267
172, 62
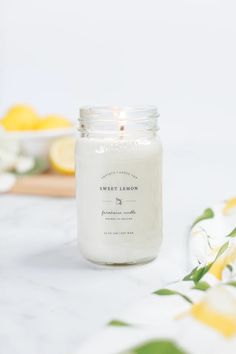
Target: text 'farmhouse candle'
119, 184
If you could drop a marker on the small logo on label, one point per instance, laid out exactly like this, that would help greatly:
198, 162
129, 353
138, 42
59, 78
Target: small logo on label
118, 201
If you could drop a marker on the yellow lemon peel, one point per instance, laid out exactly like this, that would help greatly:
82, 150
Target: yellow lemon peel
20, 117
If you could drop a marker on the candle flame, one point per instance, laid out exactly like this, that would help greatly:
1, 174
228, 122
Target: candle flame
120, 115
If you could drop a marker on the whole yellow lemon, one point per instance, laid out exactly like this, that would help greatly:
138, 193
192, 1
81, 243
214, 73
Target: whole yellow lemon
53, 122
20, 117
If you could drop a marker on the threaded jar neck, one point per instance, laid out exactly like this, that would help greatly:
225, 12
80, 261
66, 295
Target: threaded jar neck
111, 120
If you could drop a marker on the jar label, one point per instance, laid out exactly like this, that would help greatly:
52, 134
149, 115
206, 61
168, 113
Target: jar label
119, 193
120, 199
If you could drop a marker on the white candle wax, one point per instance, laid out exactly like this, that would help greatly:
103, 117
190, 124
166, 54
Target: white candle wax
119, 199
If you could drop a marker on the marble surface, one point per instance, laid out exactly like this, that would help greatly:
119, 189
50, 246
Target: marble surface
51, 300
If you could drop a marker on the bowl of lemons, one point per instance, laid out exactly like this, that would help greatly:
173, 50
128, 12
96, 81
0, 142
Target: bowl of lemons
34, 133
38, 138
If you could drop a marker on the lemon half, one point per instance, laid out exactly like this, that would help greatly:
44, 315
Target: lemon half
62, 155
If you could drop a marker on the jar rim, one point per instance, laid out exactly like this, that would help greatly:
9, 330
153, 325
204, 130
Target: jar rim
109, 112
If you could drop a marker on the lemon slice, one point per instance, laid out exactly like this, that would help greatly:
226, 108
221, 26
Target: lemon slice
229, 206
62, 155
20, 117
53, 122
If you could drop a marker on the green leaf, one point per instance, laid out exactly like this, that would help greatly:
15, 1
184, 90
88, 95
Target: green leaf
202, 285
164, 292
167, 292
197, 273
230, 267
190, 275
156, 347
222, 250
232, 233
231, 283
118, 323
207, 214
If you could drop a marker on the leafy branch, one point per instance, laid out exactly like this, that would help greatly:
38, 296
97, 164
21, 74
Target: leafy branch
198, 273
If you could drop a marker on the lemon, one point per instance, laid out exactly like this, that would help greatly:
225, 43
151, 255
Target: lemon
62, 155
53, 122
20, 117
229, 206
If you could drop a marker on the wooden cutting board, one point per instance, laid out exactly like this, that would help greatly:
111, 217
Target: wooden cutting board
45, 185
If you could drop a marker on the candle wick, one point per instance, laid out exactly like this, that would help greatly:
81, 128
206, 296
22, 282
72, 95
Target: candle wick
122, 128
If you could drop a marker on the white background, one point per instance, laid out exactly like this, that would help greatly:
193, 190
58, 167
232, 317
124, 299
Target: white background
57, 55
177, 54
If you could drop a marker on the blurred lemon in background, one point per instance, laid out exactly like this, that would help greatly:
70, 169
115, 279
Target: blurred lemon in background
20, 117
62, 155
52, 122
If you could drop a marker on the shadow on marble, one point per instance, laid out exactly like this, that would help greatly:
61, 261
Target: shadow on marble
65, 256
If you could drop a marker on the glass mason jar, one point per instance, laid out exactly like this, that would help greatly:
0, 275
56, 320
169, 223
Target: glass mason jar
119, 184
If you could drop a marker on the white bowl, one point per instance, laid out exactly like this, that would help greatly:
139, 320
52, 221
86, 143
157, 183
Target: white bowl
37, 143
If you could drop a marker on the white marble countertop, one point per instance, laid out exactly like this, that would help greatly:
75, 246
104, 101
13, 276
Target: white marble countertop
51, 299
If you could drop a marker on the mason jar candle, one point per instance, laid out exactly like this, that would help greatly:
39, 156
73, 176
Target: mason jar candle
119, 184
